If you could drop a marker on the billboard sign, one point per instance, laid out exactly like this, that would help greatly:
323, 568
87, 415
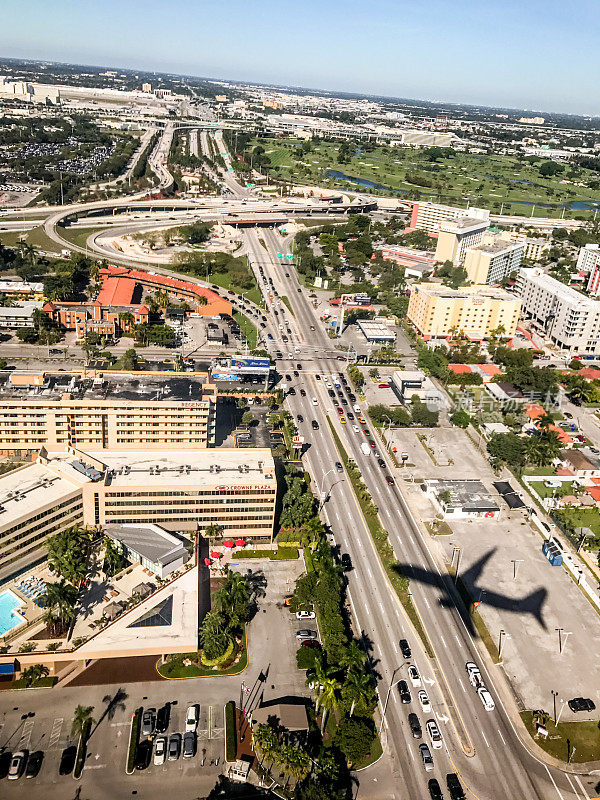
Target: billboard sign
241, 362
224, 376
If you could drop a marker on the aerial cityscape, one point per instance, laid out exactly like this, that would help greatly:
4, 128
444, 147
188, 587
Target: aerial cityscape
300, 402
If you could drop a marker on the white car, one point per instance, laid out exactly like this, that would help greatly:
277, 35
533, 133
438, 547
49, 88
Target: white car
434, 734
413, 675
305, 614
160, 751
315, 402
356, 429
424, 701
486, 698
191, 719
357, 409
474, 674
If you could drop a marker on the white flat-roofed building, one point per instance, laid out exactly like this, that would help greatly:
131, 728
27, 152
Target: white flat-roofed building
565, 316
429, 216
375, 332
457, 236
34, 289
489, 263
19, 315
154, 548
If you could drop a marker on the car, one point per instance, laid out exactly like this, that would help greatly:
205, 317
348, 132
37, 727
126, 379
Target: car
296, 373
291, 391
352, 397
317, 377
389, 480
424, 701
346, 561
312, 327
454, 787
17, 765
415, 726
191, 719
405, 648
300, 418
434, 734
377, 454
189, 744
34, 764
435, 791
366, 432
299, 366
342, 358
343, 420
404, 692
362, 420
350, 415
5, 759
384, 386
310, 643
160, 750
356, 429
67, 760
373, 443
340, 411
174, 746
581, 704
426, 757
305, 615
303, 392
413, 675
315, 402
305, 633
567, 415
474, 674
315, 425
357, 409
143, 754
148, 721
338, 466
486, 698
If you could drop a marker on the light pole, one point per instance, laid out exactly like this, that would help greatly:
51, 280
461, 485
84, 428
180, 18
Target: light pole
503, 636
563, 635
515, 563
554, 696
456, 551
321, 498
563, 702
387, 697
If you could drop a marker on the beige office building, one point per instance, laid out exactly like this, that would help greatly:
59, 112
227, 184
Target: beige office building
437, 311
457, 236
489, 263
429, 216
37, 413
183, 492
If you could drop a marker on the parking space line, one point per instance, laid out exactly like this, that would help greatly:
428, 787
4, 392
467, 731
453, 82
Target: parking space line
579, 781
25, 739
210, 722
55, 732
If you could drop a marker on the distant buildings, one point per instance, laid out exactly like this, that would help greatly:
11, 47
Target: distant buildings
19, 315
565, 316
28, 92
588, 258
22, 289
429, 216
489, 263
416, 138
457, 236
438, 311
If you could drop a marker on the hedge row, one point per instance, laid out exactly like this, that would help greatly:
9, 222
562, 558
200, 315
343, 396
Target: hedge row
214, 662
230, 732
281, 554
133, 740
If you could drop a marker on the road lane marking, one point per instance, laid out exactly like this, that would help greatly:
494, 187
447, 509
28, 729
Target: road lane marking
484, 739
443, 641
575, 792
502, 737
579, 781
558, 792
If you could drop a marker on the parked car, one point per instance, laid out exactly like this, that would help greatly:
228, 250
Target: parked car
310, 643
160, 750
305, 633
305, 614
34, 764
426, 757
413, 675
581, 704
405, 649
174, 746
148, 721
415, 726
5, 759
67, 760
17, 765
143, 754
189, 744
191, 718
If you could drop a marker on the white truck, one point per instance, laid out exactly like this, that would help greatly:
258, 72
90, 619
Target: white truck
365, 448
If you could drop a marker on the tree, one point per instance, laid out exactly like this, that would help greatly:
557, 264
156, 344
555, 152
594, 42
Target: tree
130, 360
213, 530
461, 419
28, 335
67, 554
247, 418
508, 448
266, 743
82, 720
355, 737
60, 599
231, 600
213, 635
33, 673
329, 698
114, 556
358, 689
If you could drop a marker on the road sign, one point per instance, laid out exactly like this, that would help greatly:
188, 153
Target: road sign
289, 256
279, 255
404, 456
298, 440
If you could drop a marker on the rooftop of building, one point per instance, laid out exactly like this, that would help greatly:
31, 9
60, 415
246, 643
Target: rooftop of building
20, 309
464, 224
148, 540
478, 291
558, 289
496, 247
224, 467
21, 286
145, 388
468, 495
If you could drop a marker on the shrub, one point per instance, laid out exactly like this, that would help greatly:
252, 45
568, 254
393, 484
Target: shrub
231, 734
135, 733
354, 737
306, 657
214, 662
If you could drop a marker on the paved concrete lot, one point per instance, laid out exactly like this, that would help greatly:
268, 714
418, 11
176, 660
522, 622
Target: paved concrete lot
531, 646
440, 453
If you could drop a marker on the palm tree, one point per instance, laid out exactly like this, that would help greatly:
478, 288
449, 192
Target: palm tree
266, 743
82, 720
201, 300
213, 530
33, 674
60, 599
213, 635
355, 657
544, 422
358, 687
329, 698
231, 600
67, 554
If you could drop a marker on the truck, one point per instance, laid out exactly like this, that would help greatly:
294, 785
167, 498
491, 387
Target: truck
365, 448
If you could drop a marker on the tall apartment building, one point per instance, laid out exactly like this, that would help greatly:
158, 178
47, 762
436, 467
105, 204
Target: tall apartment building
490, 262
182, 491
436, 311
588, 258
457, 236
39, 412
429, 216
533, 247
562, 314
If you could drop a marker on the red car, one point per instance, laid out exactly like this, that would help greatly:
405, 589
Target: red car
384, 386
311, 643
302, 392
367, 432
372, 443
390, 480
340, 411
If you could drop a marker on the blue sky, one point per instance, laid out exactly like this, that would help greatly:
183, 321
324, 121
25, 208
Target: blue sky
535, 54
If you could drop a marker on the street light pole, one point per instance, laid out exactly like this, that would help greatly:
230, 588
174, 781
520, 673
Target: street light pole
554, 696
325, 474
515, 563
387, 697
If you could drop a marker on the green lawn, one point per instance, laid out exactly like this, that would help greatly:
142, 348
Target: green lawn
540, 471
35, 237
286, 300
479, 179
247, 328
546, 491
222, 279
583, 518
584, 738
78, 236
176, 669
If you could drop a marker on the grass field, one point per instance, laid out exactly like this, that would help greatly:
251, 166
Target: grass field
583, 738
247, 329
78, 236
493, 181
35, 237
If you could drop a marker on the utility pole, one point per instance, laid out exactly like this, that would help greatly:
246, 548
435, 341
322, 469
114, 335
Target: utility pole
456, 551
387, 697
554, 696
515, 563
563, 635
503, 637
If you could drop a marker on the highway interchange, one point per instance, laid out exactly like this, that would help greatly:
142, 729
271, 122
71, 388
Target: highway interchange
489, 750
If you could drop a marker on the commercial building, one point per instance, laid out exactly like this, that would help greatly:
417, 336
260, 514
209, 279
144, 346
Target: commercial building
562, 314
457, 236
180, 491
489, 263
410, 383
429, 216
19, 315
150, 545
437, 311
376, 332
462, 499
416, 138
41, 411
533, 248
22, 290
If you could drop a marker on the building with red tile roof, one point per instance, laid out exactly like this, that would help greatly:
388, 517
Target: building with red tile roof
534, 411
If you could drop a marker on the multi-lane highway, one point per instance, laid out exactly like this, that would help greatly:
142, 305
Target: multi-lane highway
486, 748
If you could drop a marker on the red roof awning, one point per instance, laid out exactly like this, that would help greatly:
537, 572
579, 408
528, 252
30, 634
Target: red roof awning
240, 543
214, 554
228, 543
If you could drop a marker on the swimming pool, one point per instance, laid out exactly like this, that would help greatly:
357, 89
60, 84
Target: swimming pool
9, 616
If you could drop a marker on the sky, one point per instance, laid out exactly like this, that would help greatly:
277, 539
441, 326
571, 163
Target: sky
529, 54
